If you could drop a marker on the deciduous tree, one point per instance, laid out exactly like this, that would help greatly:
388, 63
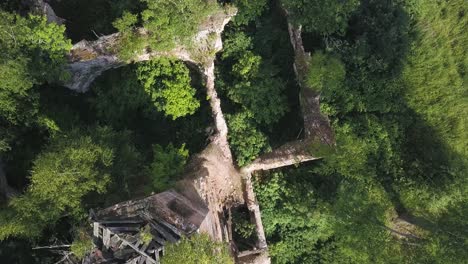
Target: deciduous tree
167, 82
167, 166
326, 71
324, 17
33, 51
249, 10
254, 83
245, 139
71, 167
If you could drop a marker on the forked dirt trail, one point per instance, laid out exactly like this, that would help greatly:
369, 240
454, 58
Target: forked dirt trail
213, 177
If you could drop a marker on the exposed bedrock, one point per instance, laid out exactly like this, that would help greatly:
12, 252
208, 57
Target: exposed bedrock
89, 59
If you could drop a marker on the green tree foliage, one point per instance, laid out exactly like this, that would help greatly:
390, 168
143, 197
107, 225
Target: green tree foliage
311, 218
324, 17
199, 249
392, 141
166, 23
10, 5
326, 71
361, 214
33, 52
295, 219
130, 43
245, 139
167, 82
243, 225
392, 78
70, 168
235, 44
248, 11
379, 40
370, 141
16, 83
127, 170
255, 84
34, 41
145, 235
167, 166
120, 98
250, 77
373, 52
170, 22
82, 244
256, 91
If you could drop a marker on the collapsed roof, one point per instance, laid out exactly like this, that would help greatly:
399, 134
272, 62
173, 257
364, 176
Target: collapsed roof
136, 231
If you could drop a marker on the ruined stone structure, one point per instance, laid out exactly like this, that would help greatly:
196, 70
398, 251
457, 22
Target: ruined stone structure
212, 184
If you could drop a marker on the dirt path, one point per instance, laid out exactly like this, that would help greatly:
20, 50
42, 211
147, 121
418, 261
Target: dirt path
218, 183
220, 138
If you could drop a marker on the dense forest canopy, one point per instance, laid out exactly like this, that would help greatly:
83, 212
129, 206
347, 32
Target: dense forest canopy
390, 76
399, 155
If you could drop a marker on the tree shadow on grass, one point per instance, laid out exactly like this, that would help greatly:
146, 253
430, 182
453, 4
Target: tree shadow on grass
418, 159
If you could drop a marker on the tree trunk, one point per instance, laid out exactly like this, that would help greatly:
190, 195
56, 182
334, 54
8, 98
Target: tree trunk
6, 190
